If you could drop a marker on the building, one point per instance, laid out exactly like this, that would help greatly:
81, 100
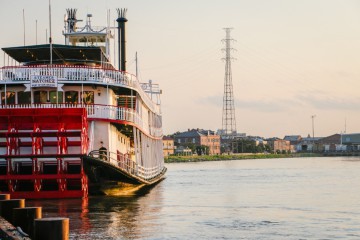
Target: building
308, 144
184, 151
279, 145
168, 146
199, 137
294, 141
258, 140
351, 140
329, 144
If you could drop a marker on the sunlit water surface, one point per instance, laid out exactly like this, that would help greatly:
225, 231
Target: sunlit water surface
306, 198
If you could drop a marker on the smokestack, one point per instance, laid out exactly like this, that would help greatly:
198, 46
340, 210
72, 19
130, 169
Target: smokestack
121, 38
71, 19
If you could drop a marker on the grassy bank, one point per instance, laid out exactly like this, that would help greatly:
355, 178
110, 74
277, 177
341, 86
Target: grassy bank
175, 159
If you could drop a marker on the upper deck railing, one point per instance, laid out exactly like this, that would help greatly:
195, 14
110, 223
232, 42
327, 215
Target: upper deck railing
82, 74
97, 111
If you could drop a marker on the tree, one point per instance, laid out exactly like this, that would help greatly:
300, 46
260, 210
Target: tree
245, 145
202, 150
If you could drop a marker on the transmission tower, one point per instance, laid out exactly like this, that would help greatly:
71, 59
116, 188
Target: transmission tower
228, 113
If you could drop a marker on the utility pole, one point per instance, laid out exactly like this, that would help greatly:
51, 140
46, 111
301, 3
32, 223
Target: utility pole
24, 24
313, 132
36, 32
228, 113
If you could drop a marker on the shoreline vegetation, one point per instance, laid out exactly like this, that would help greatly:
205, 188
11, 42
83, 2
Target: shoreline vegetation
244, 156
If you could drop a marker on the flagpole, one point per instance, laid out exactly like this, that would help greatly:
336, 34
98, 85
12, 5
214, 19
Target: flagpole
51, 54
50, 39
24, 24
5, 82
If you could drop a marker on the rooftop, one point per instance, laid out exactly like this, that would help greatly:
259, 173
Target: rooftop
195, 133
292, 138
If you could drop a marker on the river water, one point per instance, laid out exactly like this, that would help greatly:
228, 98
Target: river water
303, 198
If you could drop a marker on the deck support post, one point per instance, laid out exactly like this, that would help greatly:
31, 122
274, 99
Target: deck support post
24, 218
7, 206
59, 229
4, 196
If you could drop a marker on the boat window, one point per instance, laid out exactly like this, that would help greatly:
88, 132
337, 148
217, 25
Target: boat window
10, 98
88, 97
24, 97
53, 97
71, 97
40, 97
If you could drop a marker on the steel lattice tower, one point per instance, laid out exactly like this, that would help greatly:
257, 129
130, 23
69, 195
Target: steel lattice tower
228, 114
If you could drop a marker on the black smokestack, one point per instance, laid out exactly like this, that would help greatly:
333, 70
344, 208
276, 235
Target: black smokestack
71, 19
121, 38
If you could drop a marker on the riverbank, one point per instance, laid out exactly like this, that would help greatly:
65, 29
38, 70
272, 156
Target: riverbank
177, 159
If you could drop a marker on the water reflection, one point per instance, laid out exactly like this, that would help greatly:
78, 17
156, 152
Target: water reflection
108, 217
308, 198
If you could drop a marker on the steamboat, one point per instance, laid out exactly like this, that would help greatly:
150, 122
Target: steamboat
72, 123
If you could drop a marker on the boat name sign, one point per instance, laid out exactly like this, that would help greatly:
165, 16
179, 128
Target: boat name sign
43, 81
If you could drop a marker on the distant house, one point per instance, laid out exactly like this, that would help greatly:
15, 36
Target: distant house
168, 146
279, 145
199, 137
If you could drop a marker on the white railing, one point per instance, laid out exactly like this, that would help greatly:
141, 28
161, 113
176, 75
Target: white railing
99, 112
127, 165
78, 74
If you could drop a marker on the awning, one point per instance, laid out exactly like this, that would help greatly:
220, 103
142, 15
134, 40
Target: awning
62, 54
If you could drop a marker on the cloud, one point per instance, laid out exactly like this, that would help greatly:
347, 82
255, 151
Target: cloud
215, 100
330, 102
315, 99
265, 105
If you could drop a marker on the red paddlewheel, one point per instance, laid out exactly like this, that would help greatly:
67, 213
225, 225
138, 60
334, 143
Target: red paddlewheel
43, 149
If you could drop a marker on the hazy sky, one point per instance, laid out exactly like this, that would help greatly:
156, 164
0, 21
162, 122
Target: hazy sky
294, 58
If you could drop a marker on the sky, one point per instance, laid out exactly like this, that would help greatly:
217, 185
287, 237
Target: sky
293, 59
